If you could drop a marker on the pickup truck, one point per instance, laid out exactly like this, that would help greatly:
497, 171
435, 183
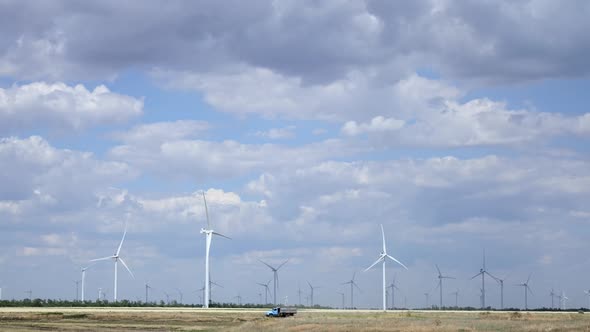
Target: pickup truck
281, 312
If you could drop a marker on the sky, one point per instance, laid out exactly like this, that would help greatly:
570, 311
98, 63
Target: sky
460, 126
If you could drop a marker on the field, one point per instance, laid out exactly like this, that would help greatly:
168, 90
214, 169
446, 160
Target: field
173, 319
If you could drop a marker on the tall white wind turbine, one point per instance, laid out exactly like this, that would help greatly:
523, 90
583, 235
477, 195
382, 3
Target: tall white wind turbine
117, 258
382, 258
440, 279
275, 271
208, 235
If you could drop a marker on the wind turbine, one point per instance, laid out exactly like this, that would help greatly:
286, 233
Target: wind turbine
440, 279
427, 295
342, 299
30, 292
83, 269
266, 291
587, 292
382, 259
275, 272
208, 235
147, 288
527, 289
562, 299
352, 285
483, 272
298, 291
393, 287
501, 282
239, 298
77, 282
312, 289
456, 293
179, 293
117, 258
552, 294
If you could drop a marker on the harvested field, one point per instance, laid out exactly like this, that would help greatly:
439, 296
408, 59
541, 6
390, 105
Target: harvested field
154, 319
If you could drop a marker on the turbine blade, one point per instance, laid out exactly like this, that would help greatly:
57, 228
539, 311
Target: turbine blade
272, 268
219, 234
383, 235
357, 287
206, 211
529, 289
395, 260
377, 261
285, 262
475, 276
354, 274
127, 267
529, 278
122, 239
102, 259
486, 272
440, 274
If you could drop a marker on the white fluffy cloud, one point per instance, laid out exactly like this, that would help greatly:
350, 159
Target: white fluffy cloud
57, 106
39, 177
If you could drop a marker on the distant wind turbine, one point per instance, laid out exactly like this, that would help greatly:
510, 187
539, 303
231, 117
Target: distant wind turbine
456, 293
352, 285
440, 279
553, 295
208, 235
275, 272
117, 258
527, 289
587, 292
427, 295
501, 282
312, 289
342, 299
147, 288
562, 299
393, 287
266, 291
77, 282
382, 258
83, 269
483, 272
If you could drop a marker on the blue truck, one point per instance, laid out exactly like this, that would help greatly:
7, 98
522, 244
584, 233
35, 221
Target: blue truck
281, 312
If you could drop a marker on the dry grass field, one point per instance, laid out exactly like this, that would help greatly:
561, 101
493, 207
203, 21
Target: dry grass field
121, 319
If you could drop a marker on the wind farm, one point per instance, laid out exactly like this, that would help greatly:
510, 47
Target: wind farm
364, 165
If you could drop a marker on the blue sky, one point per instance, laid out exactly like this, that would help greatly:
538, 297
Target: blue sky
459, 126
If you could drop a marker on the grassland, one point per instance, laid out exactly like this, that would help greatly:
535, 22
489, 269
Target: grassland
154, 319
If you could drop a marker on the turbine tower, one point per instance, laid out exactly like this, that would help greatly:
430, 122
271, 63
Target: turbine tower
117, 258
427, 295
527, 289
266, 291
553, 295
208, 235
275, 283
587, 292
382, 259
440, 279
483, 272
77, 282
352, 285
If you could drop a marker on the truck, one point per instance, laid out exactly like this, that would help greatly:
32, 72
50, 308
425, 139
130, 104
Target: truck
281, 312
